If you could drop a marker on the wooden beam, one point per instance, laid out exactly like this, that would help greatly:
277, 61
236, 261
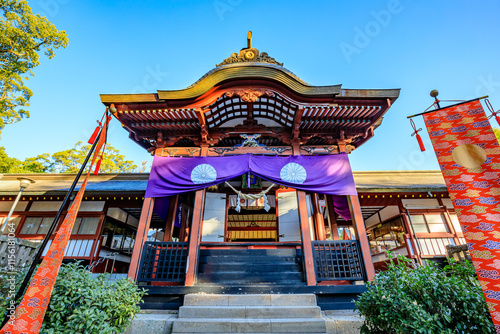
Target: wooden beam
357, 219
195, 237
318, 218
142, 234
296, 123
306, 238
201, 116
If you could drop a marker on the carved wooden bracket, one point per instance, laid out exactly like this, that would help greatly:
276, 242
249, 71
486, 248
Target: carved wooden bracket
249, 95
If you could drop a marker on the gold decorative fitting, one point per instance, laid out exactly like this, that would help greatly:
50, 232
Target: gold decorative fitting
249, 54
249, 95
349, 148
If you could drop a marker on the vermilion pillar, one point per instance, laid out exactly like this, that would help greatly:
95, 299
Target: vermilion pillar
169, 225
140, 238
304, 229
306, 238
195, 237
331, 215
194, 231
318, 218
357, 219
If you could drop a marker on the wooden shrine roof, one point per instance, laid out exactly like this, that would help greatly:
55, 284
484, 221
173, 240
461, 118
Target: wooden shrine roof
251, 93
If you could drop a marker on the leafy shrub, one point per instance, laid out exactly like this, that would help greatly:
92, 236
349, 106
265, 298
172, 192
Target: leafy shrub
81, 303
424, 299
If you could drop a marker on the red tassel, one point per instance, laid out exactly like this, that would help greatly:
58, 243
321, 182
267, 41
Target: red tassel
415, 132
420, 143
94, 135
97, 166
493, 112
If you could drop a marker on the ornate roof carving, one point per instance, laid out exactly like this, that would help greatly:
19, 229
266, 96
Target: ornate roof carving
249, 54
249, 95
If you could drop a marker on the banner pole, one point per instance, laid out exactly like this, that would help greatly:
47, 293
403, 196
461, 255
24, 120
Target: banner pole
46, 239
453, 105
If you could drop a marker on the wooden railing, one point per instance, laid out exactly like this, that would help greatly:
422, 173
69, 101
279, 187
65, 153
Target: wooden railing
163, 262
338, 260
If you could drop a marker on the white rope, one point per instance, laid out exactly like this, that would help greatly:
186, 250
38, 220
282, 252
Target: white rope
262, 194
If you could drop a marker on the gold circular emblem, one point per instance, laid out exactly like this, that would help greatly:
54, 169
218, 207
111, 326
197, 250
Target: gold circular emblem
249, 55
469, 155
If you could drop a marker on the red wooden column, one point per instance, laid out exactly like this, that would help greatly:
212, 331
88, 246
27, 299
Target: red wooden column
357, 219
318, 218
331, 215
140, 238
410, 236
194, 231
304, 229
195, 237
306, 238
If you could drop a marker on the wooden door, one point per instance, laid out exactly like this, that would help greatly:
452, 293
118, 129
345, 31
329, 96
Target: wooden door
214, 218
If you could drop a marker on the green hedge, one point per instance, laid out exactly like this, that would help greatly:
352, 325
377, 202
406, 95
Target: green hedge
424, 299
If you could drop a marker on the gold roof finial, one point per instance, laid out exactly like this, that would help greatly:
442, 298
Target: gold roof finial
249, 54
249, 40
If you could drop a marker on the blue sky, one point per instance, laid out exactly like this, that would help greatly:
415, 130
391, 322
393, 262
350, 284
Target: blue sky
142, 46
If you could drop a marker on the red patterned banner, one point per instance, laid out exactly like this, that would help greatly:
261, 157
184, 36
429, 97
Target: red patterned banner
469, 158
28, 317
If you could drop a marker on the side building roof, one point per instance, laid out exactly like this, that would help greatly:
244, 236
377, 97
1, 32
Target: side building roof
136, 183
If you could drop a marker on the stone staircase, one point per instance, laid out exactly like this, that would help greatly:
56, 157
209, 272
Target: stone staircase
263, 313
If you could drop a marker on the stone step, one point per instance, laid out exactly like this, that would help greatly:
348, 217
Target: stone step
250, 300
260, 312
249, 326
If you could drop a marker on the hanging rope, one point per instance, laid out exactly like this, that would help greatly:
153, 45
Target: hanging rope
494, 113
419, 139
262, 194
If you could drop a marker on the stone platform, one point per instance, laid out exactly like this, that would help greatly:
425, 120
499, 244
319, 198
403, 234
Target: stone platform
259, 314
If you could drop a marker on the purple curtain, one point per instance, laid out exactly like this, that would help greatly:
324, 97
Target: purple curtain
325, 174
161, 206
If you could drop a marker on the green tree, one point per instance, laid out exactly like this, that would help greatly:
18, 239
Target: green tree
23, 35
67, 161
7, 164
70, 161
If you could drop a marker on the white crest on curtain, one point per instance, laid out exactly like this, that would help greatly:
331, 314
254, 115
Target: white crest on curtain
294, 173
203, 173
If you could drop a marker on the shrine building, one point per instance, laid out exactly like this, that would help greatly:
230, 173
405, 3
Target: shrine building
242, 159
251, 191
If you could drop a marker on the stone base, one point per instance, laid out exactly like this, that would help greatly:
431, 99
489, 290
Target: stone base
161, 322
